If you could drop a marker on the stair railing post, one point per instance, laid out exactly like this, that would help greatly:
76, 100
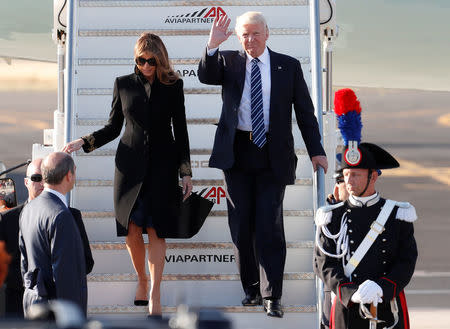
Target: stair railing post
316, 71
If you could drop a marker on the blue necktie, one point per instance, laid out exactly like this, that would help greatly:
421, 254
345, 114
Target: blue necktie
257, 113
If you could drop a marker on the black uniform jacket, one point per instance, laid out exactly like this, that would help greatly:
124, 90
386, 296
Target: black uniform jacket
390, 262
147, 150
227, 68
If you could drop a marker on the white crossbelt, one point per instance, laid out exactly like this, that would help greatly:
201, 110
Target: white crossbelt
376, 228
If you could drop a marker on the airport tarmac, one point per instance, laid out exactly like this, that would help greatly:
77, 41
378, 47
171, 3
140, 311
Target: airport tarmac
413, 125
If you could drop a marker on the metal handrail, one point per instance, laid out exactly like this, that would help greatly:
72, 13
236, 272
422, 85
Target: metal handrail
316, 70
26, 163
69, 68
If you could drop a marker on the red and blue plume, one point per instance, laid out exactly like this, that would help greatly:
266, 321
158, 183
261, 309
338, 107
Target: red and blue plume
348, 112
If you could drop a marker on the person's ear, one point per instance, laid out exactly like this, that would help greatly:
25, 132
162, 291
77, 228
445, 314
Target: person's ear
336, 191
69, 176
374, 176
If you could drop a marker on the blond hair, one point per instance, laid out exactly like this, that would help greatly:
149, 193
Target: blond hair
152, 44
250, 17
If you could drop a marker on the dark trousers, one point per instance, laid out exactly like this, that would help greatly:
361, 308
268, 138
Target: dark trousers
14, 302
256, 220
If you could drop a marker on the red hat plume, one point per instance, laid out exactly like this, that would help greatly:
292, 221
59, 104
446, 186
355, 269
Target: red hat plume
345, 101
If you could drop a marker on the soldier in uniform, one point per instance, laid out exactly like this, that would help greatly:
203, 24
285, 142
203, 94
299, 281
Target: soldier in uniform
339, 194
365, 247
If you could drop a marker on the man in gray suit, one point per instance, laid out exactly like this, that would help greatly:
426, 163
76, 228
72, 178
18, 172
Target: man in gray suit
52, 256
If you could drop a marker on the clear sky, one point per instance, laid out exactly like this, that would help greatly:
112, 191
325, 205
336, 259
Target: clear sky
382, 43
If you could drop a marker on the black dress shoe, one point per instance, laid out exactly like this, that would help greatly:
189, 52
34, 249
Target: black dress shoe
273, 307
252, 300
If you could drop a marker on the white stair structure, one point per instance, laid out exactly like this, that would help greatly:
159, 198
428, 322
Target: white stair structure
200, 272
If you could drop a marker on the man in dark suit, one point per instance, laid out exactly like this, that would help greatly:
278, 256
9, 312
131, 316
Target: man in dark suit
52, 257
255, 148
9, 233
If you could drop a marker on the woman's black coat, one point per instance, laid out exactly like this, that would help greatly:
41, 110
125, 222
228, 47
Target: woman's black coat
148, 150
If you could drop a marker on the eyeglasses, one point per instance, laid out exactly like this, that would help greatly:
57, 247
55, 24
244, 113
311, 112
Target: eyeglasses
35, 178
339, 180
141, 61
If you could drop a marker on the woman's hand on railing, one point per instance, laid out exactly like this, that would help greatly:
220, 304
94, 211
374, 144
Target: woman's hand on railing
73, 146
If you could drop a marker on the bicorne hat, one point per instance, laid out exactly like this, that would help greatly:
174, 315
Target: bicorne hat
357, 154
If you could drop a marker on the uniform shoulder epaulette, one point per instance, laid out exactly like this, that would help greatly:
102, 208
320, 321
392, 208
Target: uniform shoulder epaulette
323, 214
406, 212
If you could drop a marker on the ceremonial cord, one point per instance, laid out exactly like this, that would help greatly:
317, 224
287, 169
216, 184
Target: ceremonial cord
341, 236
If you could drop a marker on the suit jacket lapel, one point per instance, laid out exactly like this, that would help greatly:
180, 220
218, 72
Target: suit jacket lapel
276, 70
242, 58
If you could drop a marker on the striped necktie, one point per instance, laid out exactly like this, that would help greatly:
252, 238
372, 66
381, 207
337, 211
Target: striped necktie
257, 113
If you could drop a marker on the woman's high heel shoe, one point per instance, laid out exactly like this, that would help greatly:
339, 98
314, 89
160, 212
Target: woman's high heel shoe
141, 302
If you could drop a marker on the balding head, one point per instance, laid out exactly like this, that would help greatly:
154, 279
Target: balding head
33, 180
58, 171
34, 167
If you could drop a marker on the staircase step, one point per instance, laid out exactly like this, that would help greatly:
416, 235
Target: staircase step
213, 213
97, 195
200, 136
194, 257
195, 182
191, 245
195, 290
215, 228
100, 165
105, 309
104, 151
124, 277
248, 317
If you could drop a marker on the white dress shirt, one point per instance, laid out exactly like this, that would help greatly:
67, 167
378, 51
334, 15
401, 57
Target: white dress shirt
244, 113
59, 195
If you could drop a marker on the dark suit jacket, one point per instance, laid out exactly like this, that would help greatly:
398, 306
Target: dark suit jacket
227, 68
147, 150
52, 256
9, 232
84, 238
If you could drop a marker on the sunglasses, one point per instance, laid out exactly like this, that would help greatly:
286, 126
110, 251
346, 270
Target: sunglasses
141, 61
339, 180
35, 178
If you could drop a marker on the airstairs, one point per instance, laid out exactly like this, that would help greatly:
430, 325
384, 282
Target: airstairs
200, 272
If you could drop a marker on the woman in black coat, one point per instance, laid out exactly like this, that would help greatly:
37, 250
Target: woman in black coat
148, 158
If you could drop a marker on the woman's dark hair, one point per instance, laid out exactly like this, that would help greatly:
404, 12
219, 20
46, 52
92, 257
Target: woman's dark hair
152, 44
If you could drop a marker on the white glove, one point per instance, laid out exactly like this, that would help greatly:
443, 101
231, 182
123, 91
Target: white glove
368, 292
358, 298
378, 300
371, 291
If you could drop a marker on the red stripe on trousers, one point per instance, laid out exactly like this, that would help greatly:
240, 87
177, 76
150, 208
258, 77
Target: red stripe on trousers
333, 309
404, 307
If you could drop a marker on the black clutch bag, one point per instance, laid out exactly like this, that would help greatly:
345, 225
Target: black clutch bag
189, 219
